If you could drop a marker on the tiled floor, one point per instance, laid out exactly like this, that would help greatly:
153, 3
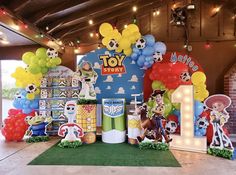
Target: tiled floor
14, 158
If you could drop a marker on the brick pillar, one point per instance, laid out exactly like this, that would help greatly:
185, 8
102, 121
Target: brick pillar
230, 90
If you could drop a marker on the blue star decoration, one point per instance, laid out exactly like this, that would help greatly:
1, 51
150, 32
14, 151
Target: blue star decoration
116, 85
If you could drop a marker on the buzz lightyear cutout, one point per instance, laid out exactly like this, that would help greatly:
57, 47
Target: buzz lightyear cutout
88, 77
70, 130
219, 116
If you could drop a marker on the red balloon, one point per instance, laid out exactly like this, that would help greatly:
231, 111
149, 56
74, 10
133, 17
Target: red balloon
15, 125
172, 117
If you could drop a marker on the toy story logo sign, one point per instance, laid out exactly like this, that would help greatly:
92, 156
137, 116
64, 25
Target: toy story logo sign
112, 64
184, 59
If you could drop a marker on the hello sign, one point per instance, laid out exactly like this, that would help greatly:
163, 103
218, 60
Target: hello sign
112, 64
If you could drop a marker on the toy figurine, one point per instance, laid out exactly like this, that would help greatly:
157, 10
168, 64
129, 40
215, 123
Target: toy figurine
218, 117
68, 130
38, 125
87, 76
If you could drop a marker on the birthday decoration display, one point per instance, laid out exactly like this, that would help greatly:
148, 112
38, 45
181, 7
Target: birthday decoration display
178, 112
26, 100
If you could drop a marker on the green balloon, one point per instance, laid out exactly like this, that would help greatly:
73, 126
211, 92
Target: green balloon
34, 69
34, 60
49, 64
57, 60
169, 93
26, 57
156, 84
41, 52
176, 105
44, 70
150, 103
42, 63
168, 107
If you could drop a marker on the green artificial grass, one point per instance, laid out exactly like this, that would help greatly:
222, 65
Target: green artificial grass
68, 144
37, 139
225, 153
152, 145
101, 154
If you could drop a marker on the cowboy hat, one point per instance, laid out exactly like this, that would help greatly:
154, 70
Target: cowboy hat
156, 92
217, 98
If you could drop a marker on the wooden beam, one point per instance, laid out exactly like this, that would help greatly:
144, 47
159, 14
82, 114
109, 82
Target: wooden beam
94, 10
42, 15
16, 5
145, 8
111, 15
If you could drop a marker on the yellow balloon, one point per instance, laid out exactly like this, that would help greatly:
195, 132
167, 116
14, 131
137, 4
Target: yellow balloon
124, 43
198, 78
30, 96
133, 28
128, 51
37, 91
105, 28
119, 49
126, 33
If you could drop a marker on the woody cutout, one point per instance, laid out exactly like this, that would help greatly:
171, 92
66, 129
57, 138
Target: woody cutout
153, 128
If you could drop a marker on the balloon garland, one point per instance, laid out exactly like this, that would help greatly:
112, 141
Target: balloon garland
26, 99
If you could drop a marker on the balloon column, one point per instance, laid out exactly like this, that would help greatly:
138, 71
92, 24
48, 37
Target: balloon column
15, 125
26, 99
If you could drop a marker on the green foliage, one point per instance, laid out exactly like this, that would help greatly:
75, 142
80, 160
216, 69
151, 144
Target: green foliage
67, 144
225, 153
84, 101
154, 145
9, 93
37, 139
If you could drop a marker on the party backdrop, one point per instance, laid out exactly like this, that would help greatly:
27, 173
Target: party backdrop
116, 85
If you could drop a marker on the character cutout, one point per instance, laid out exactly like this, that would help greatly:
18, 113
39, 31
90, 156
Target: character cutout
218, 117
70, 130
38, 125
152, 117
87, 76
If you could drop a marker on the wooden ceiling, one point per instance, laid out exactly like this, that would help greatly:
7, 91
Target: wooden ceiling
68, 19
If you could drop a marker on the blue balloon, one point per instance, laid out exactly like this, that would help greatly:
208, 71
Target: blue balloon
136, 50
140, 63
160, 47
150, 40
148, 51
198, 107
26, 110
141, 58
21, 102
134, 56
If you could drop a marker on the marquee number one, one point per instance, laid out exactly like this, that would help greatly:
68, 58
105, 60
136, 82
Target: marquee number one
186, 140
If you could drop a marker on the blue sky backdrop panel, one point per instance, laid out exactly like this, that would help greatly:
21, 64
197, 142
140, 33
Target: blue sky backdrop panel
117, 85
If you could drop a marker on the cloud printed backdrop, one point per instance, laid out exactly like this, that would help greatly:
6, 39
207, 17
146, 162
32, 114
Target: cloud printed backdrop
117, 85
